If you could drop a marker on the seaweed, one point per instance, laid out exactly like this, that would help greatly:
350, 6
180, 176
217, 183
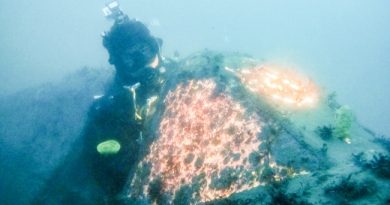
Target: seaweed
348, 189
359, 159
324, 149
384, 141
325, 132
379, 165
332, 102
282, 198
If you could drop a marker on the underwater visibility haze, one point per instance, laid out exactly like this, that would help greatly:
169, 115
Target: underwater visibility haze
195, 102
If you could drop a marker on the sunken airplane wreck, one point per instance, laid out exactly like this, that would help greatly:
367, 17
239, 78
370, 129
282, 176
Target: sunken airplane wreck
228, 129
237, 131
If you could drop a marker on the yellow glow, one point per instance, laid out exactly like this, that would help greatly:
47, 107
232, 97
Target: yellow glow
281, 86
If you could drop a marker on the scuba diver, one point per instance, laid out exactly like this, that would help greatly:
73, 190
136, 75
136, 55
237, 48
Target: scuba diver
96, 171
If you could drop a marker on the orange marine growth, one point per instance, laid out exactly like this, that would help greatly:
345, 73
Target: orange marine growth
281, 86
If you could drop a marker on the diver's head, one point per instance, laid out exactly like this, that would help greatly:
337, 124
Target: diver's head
131, 48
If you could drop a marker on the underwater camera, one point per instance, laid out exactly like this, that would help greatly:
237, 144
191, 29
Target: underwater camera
112, 11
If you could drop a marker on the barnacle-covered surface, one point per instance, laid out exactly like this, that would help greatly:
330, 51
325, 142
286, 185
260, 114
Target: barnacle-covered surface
206, 135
